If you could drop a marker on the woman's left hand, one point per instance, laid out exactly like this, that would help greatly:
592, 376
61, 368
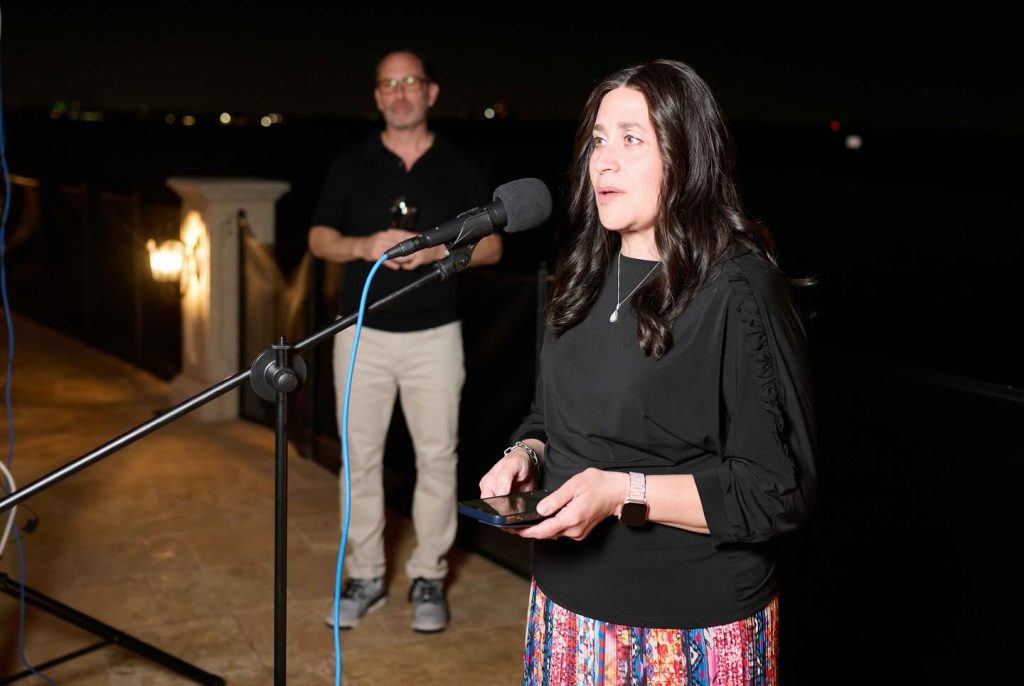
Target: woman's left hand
580, 504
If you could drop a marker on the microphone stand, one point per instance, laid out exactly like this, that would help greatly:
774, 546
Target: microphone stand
273, 374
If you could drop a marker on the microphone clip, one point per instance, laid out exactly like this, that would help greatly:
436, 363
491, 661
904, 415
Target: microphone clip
457, 259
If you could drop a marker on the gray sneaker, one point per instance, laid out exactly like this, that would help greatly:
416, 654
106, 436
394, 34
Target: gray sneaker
429, 609
358, 596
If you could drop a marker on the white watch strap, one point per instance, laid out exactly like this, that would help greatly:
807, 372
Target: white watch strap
637, 488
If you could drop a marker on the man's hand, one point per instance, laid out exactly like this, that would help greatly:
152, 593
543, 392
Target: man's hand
378, 243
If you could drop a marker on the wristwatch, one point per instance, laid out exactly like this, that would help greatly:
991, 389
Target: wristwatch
634, 510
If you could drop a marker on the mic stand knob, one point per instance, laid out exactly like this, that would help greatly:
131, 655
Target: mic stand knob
269, 377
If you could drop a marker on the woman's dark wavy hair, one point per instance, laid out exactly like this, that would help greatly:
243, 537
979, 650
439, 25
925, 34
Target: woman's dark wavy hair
699, 220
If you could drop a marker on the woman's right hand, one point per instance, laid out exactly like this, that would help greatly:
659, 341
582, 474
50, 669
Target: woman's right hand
512, 473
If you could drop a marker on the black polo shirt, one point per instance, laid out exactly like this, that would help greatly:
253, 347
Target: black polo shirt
357, 198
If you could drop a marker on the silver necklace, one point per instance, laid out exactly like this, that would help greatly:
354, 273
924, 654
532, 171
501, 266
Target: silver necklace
618, 274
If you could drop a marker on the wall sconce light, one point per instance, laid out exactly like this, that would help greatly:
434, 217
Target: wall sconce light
166, 260
174, 260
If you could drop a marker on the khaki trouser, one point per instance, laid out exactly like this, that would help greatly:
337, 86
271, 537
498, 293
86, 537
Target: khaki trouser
426, 369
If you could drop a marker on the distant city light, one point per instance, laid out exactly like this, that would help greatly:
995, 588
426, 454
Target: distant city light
75, 111
225, 118
854, 142
266, 121
275, 118
499, 109
188, 120
170, 118
834, 125
489, 113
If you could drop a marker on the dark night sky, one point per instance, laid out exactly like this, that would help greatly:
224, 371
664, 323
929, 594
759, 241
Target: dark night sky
923, 222
872, 70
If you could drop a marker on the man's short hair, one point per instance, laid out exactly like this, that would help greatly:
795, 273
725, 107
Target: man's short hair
428, 69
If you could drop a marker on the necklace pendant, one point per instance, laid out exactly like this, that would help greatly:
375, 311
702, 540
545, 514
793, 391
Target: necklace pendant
615, 315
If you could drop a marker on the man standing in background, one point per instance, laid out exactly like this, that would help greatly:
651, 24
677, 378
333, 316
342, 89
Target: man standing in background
413, 347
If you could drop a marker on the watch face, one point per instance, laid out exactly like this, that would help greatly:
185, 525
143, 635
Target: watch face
634, 514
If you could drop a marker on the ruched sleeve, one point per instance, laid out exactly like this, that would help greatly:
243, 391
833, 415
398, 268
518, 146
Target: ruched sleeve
764, 480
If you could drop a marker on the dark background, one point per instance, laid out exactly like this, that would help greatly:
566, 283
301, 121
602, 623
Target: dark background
912, 236
914, 239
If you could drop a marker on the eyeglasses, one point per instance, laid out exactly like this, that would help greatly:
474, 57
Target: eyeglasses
412, 83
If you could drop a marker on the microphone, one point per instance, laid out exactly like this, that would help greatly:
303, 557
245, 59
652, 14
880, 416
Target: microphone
518, 205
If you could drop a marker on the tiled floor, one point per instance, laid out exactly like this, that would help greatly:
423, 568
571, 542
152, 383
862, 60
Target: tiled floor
171, 541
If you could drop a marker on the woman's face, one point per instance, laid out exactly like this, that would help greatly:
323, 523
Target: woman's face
626, 165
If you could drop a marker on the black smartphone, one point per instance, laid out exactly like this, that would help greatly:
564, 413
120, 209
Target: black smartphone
514, 509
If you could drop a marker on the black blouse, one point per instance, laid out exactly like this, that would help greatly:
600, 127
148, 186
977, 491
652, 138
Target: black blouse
730, 403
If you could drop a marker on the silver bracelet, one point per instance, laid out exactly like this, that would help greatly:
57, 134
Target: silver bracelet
530, 453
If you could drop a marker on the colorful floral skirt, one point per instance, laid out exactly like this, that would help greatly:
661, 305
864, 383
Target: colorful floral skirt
567, 649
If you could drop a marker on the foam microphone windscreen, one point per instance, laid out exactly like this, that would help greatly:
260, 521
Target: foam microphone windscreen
527, 203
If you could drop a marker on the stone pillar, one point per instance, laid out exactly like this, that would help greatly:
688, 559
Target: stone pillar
210, 303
